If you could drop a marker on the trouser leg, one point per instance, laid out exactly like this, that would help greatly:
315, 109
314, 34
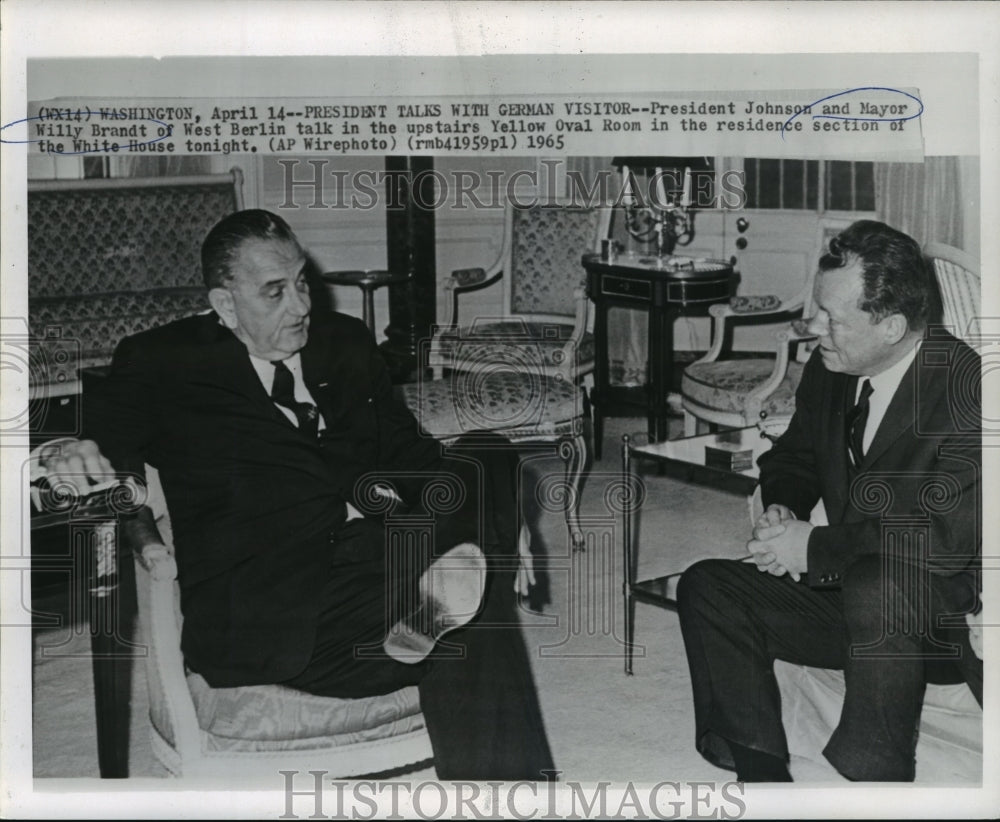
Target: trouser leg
482, 710
481, 706
736, 621
892, 613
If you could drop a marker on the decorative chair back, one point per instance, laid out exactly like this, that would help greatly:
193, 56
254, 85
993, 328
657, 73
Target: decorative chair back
958, 279
546, 244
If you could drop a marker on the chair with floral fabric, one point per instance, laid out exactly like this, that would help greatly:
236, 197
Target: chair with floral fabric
517, 375
740, 392
544, 324
253, 732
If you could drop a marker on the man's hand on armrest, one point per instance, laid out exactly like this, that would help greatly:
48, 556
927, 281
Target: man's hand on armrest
75, 466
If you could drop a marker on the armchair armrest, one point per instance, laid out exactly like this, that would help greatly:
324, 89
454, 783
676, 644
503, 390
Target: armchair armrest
746, 307
566, 358
793, 332
462, 281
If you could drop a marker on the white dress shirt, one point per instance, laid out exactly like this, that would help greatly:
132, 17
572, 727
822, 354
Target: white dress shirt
884, 387
265, 371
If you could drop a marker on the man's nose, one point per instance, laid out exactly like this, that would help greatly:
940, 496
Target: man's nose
815, 327
299, 303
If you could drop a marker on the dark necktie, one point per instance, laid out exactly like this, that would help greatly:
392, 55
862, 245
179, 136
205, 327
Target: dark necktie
857, 420
283, 393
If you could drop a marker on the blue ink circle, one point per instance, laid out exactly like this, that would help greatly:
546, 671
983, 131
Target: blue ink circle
167, 126
868, 119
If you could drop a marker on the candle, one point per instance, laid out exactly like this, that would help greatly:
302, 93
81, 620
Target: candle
686, 191
627, 198
661, 190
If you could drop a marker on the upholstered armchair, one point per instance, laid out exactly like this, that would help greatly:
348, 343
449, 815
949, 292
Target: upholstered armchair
518, 374
252, 731
741, 392
545, 313
735, 392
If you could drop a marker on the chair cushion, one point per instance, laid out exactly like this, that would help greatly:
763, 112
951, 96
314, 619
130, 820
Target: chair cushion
749, 303
275, 718
515, 403
538, 343
723, 385
950, 745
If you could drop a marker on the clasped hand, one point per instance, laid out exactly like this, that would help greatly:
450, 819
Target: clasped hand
780, 542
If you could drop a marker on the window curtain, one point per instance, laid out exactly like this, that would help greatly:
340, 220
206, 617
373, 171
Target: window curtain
933, 201
626, 326
171, 166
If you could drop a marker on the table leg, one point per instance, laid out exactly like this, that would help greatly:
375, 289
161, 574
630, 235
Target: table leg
112, 615
601, 375
629, 599
368, 307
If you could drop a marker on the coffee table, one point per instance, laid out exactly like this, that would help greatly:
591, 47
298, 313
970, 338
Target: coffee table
688, 455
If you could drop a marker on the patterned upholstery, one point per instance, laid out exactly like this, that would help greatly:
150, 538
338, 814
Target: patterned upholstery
521, 405
540, 343
543, 281
518, 405
724, 385
111, 258
82, 332
547, 243
752, 303
275, 718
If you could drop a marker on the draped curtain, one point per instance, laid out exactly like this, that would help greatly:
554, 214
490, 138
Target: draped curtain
135, 165
933, 201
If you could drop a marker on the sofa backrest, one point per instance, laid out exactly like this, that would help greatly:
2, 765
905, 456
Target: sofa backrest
109, 258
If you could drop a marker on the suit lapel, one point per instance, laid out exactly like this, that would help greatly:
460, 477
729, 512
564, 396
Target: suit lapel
315, 358
229, 367
840, 462
900, 416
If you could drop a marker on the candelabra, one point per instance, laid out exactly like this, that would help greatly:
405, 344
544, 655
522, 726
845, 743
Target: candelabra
658, 216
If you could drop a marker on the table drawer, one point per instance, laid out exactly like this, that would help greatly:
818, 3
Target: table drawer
626, 287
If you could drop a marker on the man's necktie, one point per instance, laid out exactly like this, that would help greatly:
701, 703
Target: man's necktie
857, 420
283, 393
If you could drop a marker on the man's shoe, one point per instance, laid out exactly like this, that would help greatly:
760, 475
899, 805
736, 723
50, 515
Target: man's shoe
451, 591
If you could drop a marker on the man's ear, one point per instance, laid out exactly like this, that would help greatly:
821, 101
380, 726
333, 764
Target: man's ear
894, 327
221, 300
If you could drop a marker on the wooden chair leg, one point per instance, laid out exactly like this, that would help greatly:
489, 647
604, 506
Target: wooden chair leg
573, 451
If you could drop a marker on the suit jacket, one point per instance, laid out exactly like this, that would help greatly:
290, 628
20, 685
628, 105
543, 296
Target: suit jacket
921, 474
252, 500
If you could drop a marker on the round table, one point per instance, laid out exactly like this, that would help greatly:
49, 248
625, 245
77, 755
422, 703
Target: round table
368, 281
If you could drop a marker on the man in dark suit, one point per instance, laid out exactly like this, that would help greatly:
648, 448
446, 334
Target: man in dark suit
886, 432
281, 450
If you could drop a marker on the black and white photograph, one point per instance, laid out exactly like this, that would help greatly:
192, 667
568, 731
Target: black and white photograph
548, 415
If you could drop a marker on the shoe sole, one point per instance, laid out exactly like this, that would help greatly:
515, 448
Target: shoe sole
448, 601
